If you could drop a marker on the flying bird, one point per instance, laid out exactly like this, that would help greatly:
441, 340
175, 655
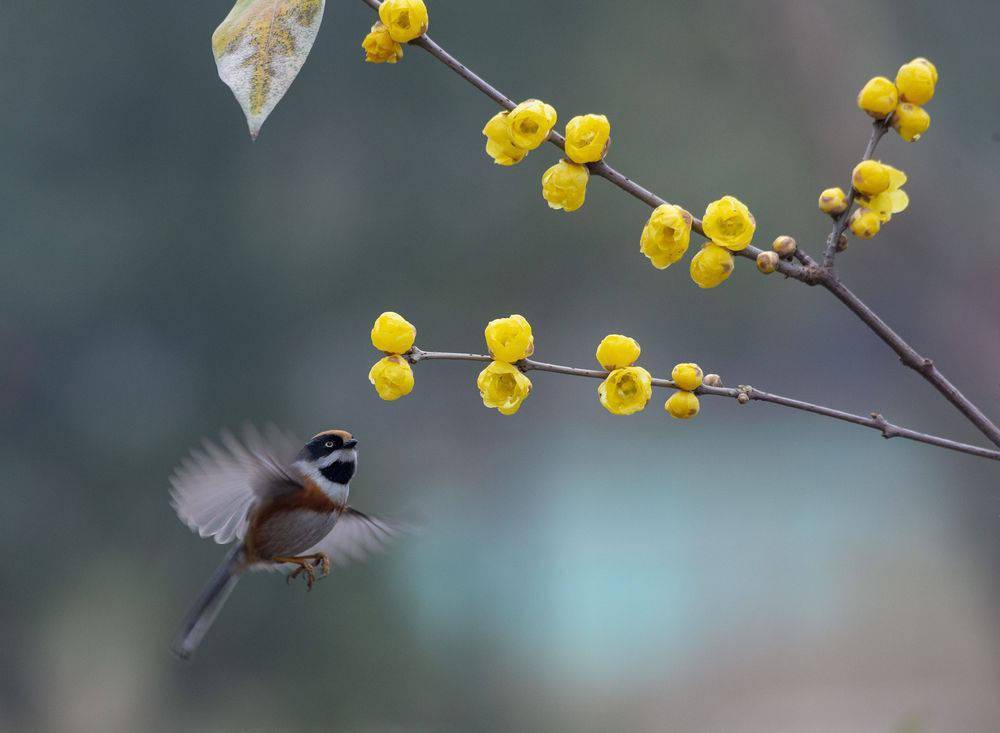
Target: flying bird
279, 508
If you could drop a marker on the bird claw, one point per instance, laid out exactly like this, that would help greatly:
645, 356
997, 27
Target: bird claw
320, 560
310, 576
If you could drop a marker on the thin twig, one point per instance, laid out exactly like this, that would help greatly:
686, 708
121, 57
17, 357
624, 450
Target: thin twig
910, 357
805, 270
879, 128
874, 420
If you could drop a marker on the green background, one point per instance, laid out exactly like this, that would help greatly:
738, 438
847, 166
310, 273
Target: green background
752, 570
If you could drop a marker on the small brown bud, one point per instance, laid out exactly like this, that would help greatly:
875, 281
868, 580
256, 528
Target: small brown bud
767, 262
742, 398
712, 380
842, 243
784, 246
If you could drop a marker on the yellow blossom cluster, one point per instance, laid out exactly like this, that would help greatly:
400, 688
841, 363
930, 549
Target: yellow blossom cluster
392, 375
877, 185
510, 136
501, 384
728, 224
879, 194
683, 404
904, 99
400, 21
627, 388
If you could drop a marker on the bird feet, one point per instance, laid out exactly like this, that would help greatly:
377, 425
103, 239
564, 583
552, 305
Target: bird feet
306, 565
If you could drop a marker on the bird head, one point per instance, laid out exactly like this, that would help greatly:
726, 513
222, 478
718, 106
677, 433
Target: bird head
333, 454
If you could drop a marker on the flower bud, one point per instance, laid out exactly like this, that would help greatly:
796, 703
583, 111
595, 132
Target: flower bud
682, 405
530, 123
729, 223
392, 377
712, 380
784, 245
865, 224
510, 339
405, 19
870, 177
393, 334
687, 376
767, 262
626, 391
666, 236
911, 121
379, 46
498, 144
842, 243
564, 185
916, 81
503, 386
833, 201
587, 138
711, 266
616, 351
742, 398
878, 97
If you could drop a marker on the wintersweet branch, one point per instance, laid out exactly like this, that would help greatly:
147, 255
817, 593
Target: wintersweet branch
743, 393
879, 128
800, 267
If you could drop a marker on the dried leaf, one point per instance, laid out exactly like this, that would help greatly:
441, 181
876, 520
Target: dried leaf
260, 48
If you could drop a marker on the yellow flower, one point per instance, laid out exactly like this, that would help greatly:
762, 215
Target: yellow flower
392, 377
510, 339
503, 386
587, 138
564, 185
530, 123
729, 223
833, 201
890, 201
865, 224
911, 121
682, 405
616, 351
626, 391
916, 80
379, 46
687, 376
498, 144
878, 97
870, 177
666, 236
405, 19
393, 334
711, 266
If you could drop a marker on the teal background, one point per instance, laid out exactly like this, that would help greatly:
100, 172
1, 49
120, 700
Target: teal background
752, 570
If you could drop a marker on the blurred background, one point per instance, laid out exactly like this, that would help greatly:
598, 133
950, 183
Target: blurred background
752, 570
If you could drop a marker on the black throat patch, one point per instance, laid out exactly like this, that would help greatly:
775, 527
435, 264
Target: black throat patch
339, 472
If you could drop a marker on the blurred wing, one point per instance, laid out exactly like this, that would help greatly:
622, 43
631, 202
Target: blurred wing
355, 536
214, 488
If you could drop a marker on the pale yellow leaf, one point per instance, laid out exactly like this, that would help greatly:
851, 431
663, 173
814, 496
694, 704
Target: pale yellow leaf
260, 48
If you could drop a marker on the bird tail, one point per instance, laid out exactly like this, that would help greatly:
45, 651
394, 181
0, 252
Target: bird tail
199, 619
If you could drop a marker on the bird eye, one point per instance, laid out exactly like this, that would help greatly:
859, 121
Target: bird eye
329, 444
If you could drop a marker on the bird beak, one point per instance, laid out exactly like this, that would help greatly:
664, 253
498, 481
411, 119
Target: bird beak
350, 443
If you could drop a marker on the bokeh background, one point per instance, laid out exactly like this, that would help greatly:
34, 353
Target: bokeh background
753, 570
